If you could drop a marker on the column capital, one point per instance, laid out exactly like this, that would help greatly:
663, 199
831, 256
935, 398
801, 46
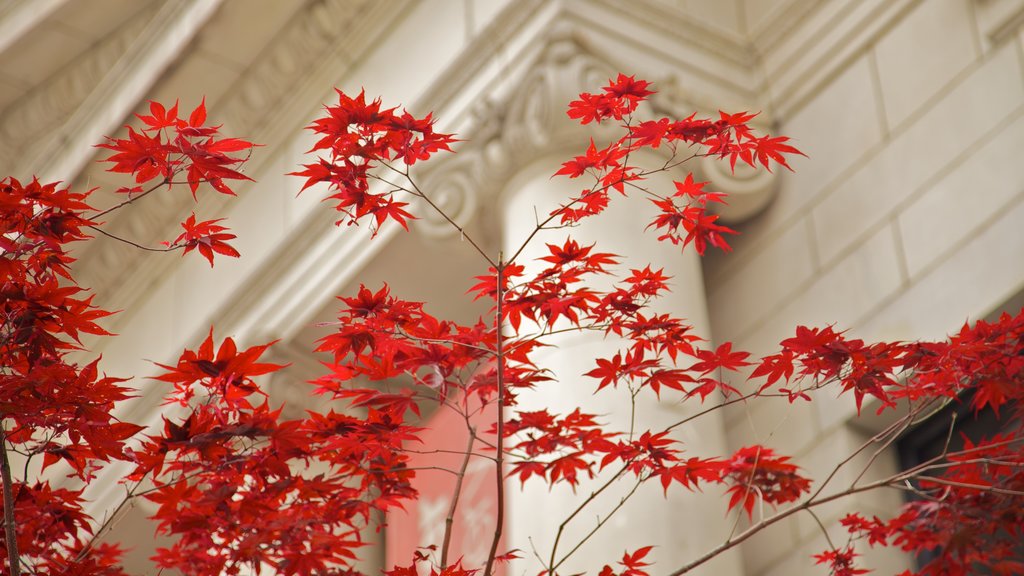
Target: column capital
528, 123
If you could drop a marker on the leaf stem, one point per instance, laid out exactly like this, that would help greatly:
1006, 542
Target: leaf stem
132, 199
130, 243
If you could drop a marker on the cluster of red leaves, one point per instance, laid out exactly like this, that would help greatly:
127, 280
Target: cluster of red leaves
684, 215
239, 487
755, 473
361, 138
422, 556
170, 146
632, 564
381, 337
565, 441
233, 481
823, 355
50, 407
840, 562
56, 410
455, 569
986, 359
968, 516
54, 533
207, 237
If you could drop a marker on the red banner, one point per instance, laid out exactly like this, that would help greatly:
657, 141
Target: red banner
422, 524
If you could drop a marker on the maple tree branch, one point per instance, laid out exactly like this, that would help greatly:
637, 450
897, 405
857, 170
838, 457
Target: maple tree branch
822, 527
459, 452
443, 214
733, 541
449, 520
848, 459
539, 336
399, 332
10, 529
171, 248
413, 468
894, 480
132, 199
896, 434
979, 487
939, 462
594, 494
672, 163
499, 460
108, 522
718, 406
394, 187
600, 522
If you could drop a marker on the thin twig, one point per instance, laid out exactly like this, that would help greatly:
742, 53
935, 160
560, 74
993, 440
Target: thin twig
462, 231
578, 509
130, 243
601, 522
449, 520
822, 527
132, 199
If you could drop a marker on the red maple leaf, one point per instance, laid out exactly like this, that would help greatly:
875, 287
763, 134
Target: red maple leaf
207, 237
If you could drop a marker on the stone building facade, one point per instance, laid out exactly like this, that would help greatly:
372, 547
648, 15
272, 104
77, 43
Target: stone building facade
905, 220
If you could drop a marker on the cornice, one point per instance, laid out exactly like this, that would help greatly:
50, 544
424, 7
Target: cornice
271, 102
18, 17
125, 82
25, 125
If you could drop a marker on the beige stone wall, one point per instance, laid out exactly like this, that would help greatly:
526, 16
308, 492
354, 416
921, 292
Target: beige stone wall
906, 220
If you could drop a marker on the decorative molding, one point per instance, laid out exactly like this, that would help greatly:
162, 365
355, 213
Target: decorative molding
530, 123
750, 189
785, 19
274, 97
324, 33
142, 63
662, 15
453, 190
47, 107
999, 20
18, 17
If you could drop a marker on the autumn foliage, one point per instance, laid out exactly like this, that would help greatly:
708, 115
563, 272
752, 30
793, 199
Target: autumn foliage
240, 488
